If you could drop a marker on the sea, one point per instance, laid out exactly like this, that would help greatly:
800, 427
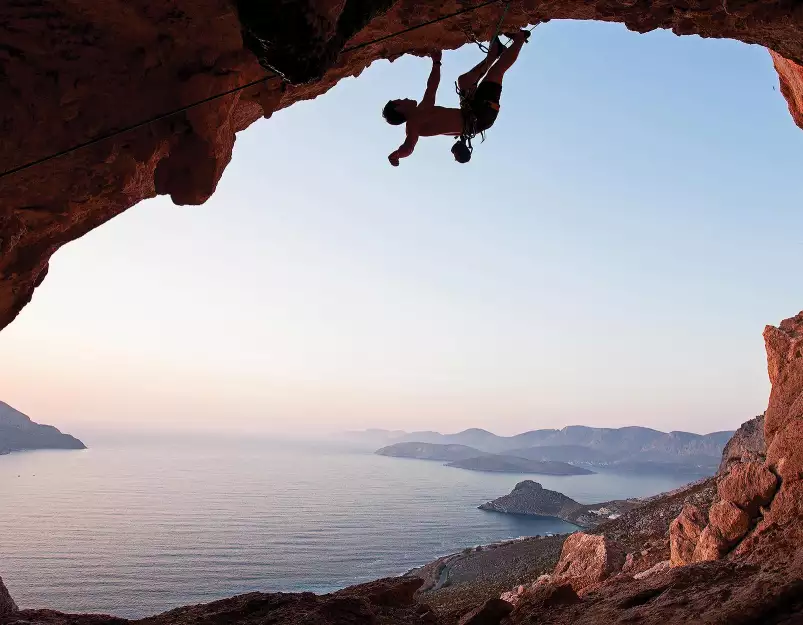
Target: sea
136, 525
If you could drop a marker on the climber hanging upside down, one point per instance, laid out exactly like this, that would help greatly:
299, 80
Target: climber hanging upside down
479, 99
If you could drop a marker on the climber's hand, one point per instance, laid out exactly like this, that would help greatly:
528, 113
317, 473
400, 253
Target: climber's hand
394, 159
436, 56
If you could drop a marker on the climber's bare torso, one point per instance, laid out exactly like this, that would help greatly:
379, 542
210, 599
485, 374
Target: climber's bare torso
428, 121
435, 120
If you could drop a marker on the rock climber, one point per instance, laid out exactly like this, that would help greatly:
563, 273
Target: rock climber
479, 102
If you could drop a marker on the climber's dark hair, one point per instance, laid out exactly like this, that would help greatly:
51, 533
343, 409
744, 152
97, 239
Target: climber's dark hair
461, 152
391, 115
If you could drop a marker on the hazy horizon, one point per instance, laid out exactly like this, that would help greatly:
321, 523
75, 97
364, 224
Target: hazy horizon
111, 429
608, 258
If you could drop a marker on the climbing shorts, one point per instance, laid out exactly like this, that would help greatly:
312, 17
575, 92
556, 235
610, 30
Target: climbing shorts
484, 103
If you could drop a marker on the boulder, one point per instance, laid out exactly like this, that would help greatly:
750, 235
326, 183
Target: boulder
684, 533
489, 613
543, 594
711, 545
587, 560
548, 594
7, 605
630, 563
730, 520
654, 553
513, 596
658, 568
785, 454
749, 485
517, 594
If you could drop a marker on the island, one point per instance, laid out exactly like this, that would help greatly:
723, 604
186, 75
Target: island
19, 433
497, 463
466, 457
623, 450
431, 451
530, 498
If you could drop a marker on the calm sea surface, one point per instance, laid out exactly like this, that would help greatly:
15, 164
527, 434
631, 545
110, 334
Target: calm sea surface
136, 527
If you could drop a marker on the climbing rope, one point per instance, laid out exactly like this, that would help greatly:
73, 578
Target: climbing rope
466, 97
422, 25
496, 32
265, 79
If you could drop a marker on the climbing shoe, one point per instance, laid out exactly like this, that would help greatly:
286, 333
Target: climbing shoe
527, 34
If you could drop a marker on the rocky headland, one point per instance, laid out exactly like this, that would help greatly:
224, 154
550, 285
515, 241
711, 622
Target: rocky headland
465, 457
530, 498
19, 433
498, 463
431, 451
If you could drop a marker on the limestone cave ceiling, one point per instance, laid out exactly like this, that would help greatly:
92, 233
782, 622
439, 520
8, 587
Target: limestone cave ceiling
75, 70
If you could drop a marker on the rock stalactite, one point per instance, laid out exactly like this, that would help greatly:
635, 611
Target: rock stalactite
72, 70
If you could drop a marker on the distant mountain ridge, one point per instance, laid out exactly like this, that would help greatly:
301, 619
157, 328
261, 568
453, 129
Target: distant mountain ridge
19, 433
634, 448
632, 438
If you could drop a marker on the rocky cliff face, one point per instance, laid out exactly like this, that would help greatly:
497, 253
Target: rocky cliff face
759, 504
529, 497
73, 70
746, 445
791, 79
738, 559
18, 432
383, 602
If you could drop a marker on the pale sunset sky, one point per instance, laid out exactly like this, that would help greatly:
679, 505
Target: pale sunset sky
609, 257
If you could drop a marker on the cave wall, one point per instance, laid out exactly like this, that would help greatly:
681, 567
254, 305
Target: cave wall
790, 75
71, 70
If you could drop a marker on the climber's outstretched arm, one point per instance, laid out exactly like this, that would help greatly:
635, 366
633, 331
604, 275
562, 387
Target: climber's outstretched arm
433, 82
405, 149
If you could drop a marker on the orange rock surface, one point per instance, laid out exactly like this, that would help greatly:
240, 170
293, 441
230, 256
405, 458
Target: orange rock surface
684, 533
586, 560
791, 80
749, 485
731, 521
784, 420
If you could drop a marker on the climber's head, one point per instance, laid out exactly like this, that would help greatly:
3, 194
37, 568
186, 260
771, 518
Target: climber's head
461, 152
397, 111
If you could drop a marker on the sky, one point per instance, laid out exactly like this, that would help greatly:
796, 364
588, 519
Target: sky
609, 257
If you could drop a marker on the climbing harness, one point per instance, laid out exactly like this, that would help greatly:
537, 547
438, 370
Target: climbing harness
469, 130
466, 97
470, 121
